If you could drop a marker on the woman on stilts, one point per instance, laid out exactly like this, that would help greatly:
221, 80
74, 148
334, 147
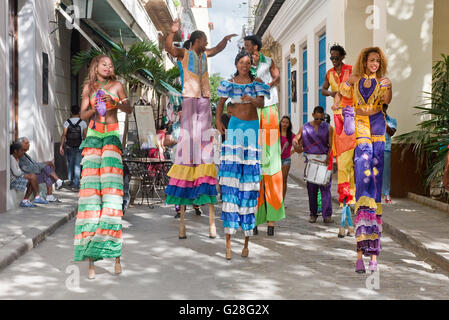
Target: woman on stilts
98, 227
370, 89
240, 159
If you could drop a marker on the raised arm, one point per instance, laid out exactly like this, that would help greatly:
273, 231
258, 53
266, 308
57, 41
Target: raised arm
275, 74
220, 46
169, 47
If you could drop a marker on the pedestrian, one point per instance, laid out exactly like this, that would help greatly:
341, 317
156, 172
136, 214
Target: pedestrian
315, 140
45, 171
390, 131
74, 133
344, 140
193, 175
370, 89
98, 227
270, 205
240, 160
23, 182
285, 127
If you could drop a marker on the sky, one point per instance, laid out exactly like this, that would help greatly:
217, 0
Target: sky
228, 17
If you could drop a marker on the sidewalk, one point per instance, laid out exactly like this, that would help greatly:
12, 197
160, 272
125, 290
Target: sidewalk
24, 228
417, 227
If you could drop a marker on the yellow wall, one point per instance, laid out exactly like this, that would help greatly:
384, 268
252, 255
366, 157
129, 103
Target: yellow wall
440, 29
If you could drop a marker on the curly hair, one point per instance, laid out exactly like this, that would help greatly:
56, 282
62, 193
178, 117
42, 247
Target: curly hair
339, 48
360, 65
91, 79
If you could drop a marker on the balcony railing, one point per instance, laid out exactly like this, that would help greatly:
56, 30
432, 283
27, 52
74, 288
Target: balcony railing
265, 12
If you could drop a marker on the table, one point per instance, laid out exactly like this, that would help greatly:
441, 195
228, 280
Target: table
152, 174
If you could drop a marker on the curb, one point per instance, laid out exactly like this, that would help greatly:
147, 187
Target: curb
428, 202
404, 239
30, 239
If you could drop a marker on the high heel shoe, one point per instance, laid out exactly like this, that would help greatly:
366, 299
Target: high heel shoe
360, 266
270, 230
373, 266
228, 254
245, 252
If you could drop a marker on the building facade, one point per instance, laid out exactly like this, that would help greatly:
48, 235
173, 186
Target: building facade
38, 39
299, 33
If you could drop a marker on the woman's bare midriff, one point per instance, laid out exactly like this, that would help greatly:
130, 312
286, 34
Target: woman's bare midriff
245, 111
110, 118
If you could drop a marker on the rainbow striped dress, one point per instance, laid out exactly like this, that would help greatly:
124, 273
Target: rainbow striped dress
98, 227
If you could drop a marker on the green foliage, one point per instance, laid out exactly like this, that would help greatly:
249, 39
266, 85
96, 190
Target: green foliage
429, 142
214, 82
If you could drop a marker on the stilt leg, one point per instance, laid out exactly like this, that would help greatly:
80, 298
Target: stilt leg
182, 227
245, 251
228, 247
118, 266
212, 228
91, 274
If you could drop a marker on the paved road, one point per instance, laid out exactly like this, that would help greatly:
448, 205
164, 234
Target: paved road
302, 261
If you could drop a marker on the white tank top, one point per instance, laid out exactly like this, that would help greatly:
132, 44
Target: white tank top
263, 72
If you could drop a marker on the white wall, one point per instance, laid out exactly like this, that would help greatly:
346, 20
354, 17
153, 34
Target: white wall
299, 22
36, 121
4, 104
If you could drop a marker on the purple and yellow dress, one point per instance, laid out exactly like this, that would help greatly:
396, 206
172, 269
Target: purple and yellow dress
368, 161
239, 174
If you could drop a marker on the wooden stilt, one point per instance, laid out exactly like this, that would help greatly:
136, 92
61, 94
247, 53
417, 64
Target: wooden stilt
182, 227
212, 227
245, 251
228, 247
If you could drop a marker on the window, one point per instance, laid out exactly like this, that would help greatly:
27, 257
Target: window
305, 88
44, 78
321, 69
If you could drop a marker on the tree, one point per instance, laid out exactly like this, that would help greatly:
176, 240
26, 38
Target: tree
214, 82
430, 141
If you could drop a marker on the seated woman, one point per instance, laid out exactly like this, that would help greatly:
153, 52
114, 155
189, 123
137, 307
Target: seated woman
20, 181
240, 160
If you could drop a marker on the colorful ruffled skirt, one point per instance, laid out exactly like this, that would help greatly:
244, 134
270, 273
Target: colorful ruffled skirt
368, 164
193, 177
239, 176
98, 227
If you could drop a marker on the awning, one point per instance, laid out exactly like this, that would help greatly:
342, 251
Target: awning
76, 26
174, 95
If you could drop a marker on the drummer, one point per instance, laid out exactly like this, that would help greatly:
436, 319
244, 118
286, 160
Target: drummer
315, 140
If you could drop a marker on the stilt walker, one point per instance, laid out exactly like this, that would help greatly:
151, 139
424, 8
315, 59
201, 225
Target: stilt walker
240, 161
370, 89
98, 227
344, 137
270, 205
193, 177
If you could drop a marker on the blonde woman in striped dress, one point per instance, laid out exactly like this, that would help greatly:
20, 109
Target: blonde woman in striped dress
98, 228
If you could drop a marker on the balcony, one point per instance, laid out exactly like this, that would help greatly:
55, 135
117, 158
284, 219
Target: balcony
162, 13
264, 14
